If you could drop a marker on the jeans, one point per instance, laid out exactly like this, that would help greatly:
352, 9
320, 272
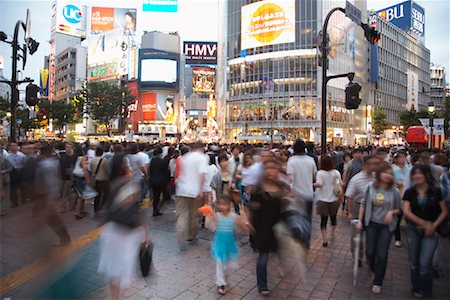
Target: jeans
102, 189
421, 250
378, 239
397, 234
261, 271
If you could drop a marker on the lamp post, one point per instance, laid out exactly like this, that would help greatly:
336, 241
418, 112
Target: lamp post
431, 110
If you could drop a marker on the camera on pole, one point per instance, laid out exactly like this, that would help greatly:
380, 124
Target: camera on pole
352, 100
31, 92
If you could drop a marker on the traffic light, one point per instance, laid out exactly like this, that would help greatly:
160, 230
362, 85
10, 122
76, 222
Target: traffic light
352, 100
371, 34
32, 95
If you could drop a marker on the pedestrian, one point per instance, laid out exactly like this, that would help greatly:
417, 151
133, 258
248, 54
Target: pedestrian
66, 165
17, 160
139, 163
211, 172
355, 193
401, 172
5, 170
158, 177
245, 178
80, 179
124, 231
100, 174
264, 212
224, 248
328, 182
425, 209
189, 192
302, 170
379, 208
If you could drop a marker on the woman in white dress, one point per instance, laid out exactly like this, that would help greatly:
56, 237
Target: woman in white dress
123, 233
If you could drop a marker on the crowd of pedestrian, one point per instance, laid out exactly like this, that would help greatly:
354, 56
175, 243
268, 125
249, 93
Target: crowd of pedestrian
259, 190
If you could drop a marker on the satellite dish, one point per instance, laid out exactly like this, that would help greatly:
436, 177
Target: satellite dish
28, 27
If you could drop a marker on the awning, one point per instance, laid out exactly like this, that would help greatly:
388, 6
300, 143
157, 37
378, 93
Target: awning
416, 134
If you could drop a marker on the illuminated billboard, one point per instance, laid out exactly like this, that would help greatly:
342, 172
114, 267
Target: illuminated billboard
109, 18
70, 18
200, 53
267, 22
203, 79
43, 82
158, 107
408, 16
105, 71
158, 70
109, 47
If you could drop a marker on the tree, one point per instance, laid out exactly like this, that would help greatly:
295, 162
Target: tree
379, 121
61, 113
106, 102
409, 118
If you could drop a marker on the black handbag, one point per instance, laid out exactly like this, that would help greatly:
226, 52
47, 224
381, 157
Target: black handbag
145, 258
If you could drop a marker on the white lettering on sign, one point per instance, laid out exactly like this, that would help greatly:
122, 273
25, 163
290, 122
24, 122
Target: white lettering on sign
418, 20
200, 50
148, 107
396, 12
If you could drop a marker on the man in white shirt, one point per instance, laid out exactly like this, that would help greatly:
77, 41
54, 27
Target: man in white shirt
139, 163
189, 192
302, 170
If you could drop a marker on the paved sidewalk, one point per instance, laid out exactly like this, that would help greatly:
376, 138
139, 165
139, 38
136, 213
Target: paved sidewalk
191, 274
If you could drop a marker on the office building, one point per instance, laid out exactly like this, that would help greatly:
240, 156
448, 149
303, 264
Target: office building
400, 62
70, 72
437, 88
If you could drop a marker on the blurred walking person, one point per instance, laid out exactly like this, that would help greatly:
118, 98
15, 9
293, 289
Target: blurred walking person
158, 179
189, 191
100, 173
66, 164
124, 231
17, 160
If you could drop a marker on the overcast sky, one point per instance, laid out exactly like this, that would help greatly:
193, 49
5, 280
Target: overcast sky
195, 24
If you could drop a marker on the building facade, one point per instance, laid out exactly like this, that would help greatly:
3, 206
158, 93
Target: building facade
70, 72
273, 89
399, 70
437, 88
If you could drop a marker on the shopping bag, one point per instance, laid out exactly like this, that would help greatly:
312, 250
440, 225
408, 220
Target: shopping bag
145, 257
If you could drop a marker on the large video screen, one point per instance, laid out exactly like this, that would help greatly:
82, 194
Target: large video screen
267, 22
159, 70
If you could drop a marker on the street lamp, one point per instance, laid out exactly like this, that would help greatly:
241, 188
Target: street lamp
431, 110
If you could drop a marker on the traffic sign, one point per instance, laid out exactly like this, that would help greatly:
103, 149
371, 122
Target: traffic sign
353, 13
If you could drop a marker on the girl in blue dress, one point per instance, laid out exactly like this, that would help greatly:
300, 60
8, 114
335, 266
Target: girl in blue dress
224, 248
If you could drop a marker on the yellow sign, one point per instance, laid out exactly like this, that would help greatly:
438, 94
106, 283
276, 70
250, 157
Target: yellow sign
267, 22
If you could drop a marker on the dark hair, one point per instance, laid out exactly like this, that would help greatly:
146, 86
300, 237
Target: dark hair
222, 157
299, 147
142, 147
184, 150
346, 155
425, 170
235, 147
326, 163
310, 147
99, 151
246, 154
356, 150
129, 14
132, 148
157, 151
198, 145
383, 167
366, 159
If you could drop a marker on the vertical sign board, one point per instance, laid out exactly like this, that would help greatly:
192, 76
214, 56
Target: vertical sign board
43, 82
160, 6
373, 20
418, 19
71, 18
412, 90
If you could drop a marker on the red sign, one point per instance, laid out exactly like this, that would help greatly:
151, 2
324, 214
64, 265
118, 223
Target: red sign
149, 107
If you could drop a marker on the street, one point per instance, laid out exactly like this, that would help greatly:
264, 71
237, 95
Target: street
190, 274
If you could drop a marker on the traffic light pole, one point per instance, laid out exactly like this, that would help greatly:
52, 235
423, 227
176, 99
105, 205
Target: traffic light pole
325, 78
14, 83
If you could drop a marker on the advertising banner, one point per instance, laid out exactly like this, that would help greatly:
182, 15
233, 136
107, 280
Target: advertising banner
71, 18
160, 5
438, 126
200, 53
203, 79
133, 58
148, 106
426, 125
109, 47
267, 22
158, 107
108, 70
109, 18
418, 19
43, 82
412, 90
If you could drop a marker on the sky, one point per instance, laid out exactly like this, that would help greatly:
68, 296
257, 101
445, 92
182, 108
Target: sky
194, 24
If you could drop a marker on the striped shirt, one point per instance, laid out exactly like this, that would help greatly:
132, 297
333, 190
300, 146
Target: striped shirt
357, 186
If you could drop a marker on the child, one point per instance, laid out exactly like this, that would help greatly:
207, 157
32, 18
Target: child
224, 247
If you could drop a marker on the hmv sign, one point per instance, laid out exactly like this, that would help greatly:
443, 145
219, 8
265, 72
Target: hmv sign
200, 53
408, 16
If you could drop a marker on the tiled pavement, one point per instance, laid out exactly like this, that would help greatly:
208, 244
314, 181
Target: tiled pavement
191, 274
